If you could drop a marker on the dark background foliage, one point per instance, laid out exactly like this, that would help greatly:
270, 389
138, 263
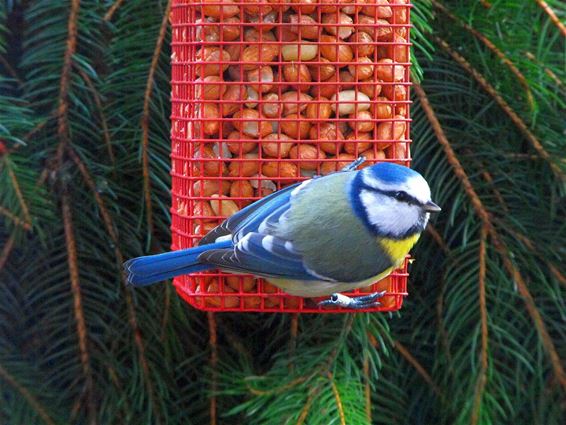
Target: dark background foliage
84, 100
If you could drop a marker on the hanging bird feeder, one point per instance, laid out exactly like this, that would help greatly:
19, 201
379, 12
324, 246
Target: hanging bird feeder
266, 93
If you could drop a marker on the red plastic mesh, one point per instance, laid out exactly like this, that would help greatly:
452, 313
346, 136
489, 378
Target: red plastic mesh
255, 107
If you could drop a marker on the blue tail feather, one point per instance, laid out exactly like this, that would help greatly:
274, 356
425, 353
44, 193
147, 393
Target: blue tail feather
143, 271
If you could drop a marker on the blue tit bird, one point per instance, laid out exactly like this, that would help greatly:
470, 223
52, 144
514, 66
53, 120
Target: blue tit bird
316, 238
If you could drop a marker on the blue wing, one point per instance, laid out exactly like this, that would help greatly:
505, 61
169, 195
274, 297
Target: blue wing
258, 248
262, 255
233, 224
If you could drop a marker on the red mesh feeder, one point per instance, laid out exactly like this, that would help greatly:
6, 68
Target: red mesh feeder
266, 93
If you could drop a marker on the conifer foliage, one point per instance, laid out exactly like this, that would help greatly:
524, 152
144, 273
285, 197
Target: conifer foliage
84, 180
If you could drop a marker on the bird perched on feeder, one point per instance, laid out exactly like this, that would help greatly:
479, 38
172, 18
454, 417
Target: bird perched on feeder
316, 238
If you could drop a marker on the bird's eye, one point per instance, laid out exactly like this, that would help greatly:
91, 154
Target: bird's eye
402, 196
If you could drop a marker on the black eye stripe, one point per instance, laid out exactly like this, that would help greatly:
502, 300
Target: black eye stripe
394, 194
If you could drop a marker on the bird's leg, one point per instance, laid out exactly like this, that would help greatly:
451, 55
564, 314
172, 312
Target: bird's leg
366, 301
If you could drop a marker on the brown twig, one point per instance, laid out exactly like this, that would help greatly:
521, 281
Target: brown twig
213, 341
367, 387
63, 105
63, 135
547, 70
38, 127
11, 70
527, 242
548, 10
113, 233
515, 118
6, 251
482, 377
108, 16
106, 217
293, 339
489, 44
103, 122
19, 195
306, 408
338, 399
418, 367
498, 244
34, 130
13, 217
281, 389
166, 312
146, 116
33, 402
489, 179
78, 303
114, 379
437, 238
441, 328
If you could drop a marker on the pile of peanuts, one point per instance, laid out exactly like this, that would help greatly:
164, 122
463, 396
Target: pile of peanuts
284, 90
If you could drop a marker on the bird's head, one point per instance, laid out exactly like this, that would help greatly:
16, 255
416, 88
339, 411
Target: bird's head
393, 201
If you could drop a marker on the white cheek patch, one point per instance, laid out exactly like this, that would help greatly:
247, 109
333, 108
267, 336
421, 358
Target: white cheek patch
388, 214
416, 186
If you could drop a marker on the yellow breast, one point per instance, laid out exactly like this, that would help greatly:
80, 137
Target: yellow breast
398, 249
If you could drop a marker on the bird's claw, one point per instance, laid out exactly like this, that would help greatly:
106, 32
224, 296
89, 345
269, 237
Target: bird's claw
350, 167
354, 164
366, 301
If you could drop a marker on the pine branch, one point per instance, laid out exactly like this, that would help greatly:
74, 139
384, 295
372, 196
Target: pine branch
213, 341
6, 64
108, 16
492, 47
553, 269
293, 340
500, 247
548, 10
313, 392
559, 83
100, 110
132, 317
418, 367
515, 118
33, 402
6, 251
437, 238
367, 387
18, 191
338, 399
78, 305
482, 377
145, 117
63, 108
14, 218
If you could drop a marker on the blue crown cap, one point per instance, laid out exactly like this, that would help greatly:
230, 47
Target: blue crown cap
391, 173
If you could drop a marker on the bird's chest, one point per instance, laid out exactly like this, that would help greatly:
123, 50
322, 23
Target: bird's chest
398, 249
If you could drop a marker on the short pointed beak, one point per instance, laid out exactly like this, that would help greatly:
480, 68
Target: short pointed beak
431, 207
